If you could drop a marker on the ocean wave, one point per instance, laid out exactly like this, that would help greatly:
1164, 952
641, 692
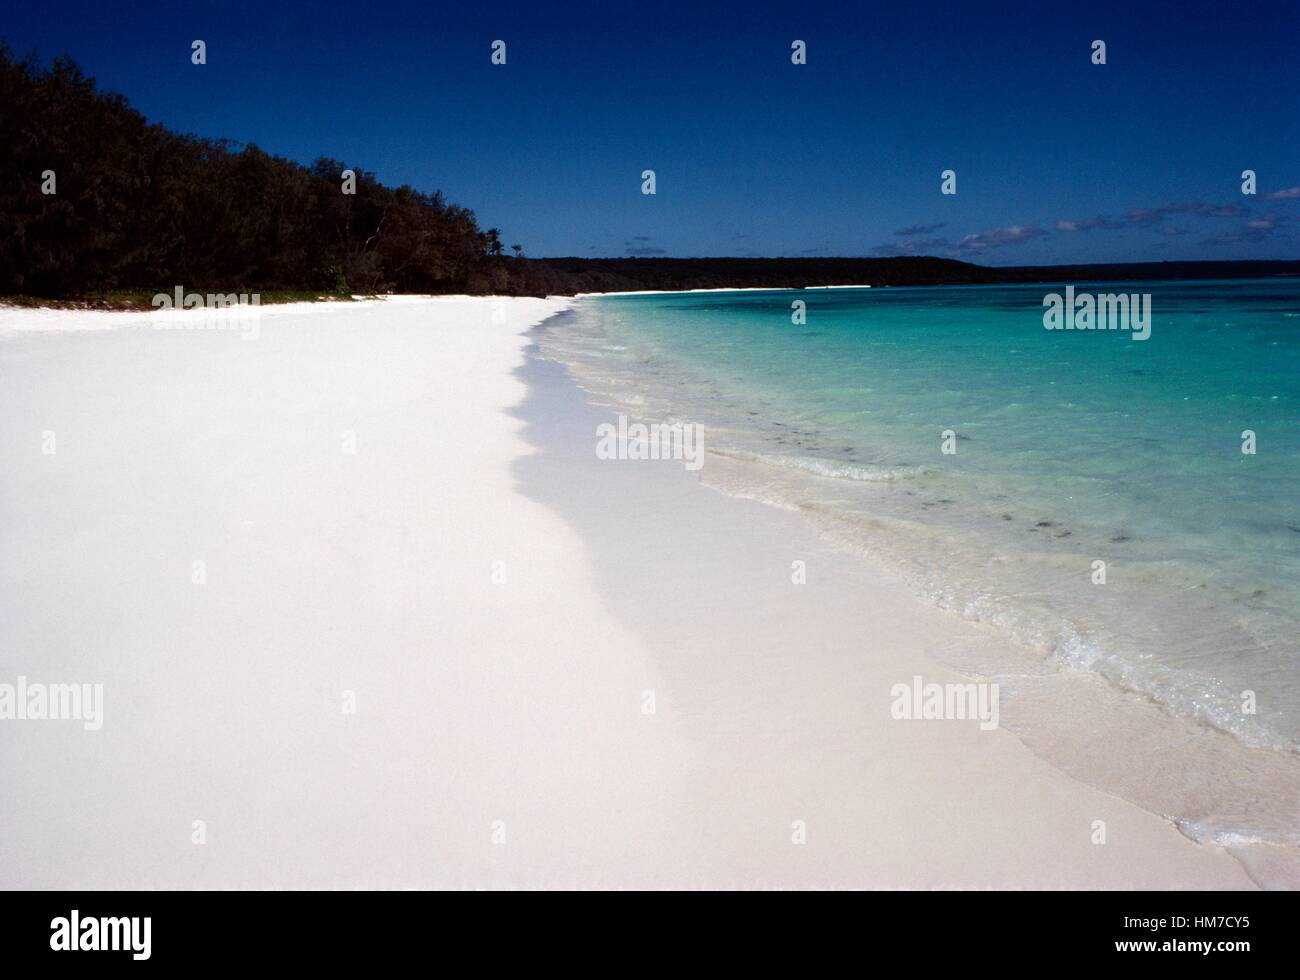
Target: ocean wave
1181, 692
832, 469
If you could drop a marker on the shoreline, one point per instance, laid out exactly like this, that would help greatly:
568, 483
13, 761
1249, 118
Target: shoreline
685, 514
1216, 783
497, 601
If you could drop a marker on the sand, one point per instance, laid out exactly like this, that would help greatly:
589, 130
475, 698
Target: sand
435, 642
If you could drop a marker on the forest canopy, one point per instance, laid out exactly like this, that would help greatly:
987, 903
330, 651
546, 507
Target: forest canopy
135, 205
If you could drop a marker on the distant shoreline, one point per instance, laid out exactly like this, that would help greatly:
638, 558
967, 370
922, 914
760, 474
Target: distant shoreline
722, 289
693, 276
657, 275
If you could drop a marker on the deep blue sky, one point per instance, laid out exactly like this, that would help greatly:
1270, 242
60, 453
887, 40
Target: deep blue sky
754, 155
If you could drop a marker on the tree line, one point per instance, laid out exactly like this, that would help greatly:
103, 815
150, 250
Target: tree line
94, 199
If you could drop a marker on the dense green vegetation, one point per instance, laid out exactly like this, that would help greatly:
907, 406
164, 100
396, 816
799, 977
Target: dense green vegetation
140, 207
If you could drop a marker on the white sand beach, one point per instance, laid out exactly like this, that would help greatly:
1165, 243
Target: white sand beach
428, 629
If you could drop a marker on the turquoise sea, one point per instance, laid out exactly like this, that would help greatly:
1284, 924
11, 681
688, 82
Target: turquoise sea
1073, 448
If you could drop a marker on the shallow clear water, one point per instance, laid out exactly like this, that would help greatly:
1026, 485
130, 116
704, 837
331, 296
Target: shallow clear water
1072, 448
